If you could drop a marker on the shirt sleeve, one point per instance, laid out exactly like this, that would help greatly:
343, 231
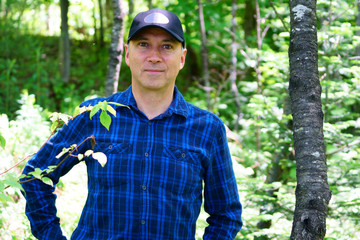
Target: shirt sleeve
222, 201
40, 199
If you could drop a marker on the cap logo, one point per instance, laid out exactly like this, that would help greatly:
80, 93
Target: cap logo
157, 18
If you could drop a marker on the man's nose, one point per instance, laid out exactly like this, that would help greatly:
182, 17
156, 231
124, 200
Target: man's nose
154, 55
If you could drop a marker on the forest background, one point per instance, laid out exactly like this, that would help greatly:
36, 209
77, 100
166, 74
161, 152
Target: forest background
241, 74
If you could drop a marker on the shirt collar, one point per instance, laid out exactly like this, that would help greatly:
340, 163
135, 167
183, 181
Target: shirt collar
177, 106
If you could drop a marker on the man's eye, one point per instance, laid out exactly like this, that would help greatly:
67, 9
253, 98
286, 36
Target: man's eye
167, 46
143, 44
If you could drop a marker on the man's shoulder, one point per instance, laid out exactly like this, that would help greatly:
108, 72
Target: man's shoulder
203, 115
119, 97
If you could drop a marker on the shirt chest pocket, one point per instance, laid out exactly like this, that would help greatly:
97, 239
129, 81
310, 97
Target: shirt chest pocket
183, 172
115, 172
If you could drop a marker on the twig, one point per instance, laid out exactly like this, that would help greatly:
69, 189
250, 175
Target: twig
281, 19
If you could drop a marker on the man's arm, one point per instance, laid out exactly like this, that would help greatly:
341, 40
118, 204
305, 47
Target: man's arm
222, 201
40, 199
40, 209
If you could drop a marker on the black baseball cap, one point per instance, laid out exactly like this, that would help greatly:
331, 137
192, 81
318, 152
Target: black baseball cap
160, 18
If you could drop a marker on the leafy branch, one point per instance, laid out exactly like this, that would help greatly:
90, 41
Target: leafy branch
58, 120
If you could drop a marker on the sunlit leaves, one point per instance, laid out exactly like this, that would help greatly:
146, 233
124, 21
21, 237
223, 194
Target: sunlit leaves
41, 175
8, 180
57, 118
88, 153
105, 118
2, 141
66, 150
99, 156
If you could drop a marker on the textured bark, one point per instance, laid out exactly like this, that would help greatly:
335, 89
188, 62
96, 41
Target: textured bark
204, 54
116, 48
312, 191
64, 42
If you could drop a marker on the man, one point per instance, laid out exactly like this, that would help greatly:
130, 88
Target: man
160, 151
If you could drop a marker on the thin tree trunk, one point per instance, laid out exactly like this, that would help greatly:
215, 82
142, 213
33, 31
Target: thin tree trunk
64, 42
312, 191
116, 49
233, 69
358, 24
150, 6
249, 24
204, 54
131, 11
101, 39
258, 74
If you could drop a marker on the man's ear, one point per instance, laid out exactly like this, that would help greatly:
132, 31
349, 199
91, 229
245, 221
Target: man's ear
126, 47
183, 56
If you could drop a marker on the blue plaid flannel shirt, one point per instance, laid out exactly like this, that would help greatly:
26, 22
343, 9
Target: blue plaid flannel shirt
152, 185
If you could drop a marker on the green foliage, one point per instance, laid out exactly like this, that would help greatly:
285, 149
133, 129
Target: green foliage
263, 142
2, 141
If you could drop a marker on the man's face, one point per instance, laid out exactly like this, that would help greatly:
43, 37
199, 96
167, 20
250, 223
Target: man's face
155, 59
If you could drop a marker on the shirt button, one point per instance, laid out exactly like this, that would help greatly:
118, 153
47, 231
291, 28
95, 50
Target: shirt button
149, 123
110, 147
183, 155
143, 187
143, 222
146, 154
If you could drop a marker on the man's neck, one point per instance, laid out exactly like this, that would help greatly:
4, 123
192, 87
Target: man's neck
153, 103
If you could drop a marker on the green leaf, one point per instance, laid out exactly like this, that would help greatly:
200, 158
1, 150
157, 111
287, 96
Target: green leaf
80, 110
118, 104
100, 157
49, 169
64, 117
13, 183
37, 173
54, 126
47, 181
2, 142
54, 117
23, 176
94, 110
103, 105
292, 173
105, 119
65, 150
111, 110
5, 198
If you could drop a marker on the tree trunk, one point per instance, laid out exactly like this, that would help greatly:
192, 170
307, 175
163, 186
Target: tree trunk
116, 49
204, 54
131, 11
233, 70
101, 37
312, 191
249, 24
358, 32
64, 42
150, 6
